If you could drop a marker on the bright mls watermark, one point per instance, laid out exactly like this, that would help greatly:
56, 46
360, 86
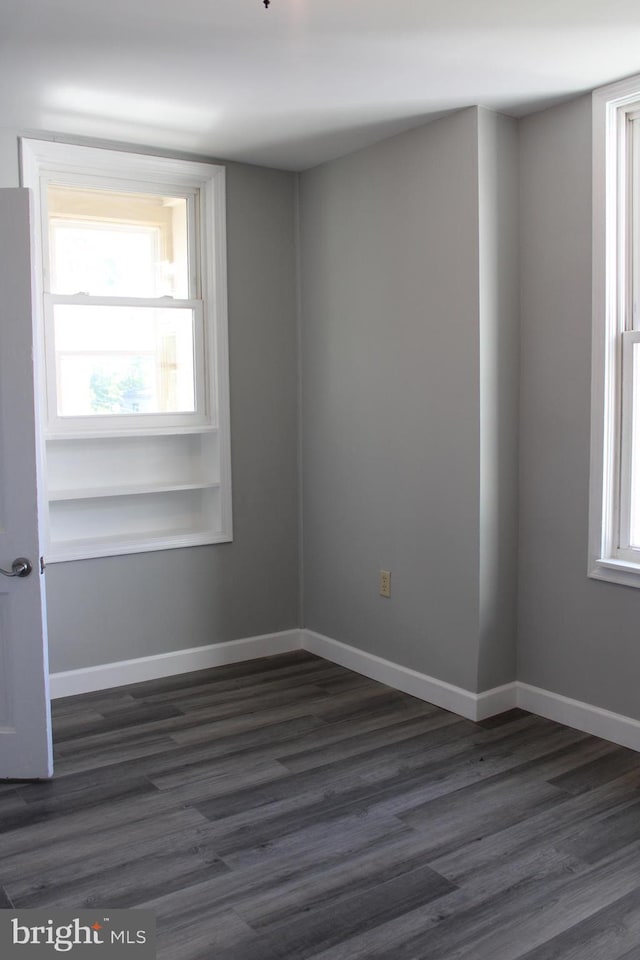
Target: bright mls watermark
80, 934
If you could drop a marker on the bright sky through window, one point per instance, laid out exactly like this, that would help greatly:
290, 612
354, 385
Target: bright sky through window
120, 358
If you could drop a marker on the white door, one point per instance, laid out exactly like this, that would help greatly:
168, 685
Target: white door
25, 724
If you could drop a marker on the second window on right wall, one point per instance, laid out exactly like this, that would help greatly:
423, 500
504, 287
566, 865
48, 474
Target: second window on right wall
614, 538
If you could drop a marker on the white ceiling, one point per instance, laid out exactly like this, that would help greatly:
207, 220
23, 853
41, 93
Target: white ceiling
302, 82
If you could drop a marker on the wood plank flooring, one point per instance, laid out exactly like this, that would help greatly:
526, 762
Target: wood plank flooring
288, 809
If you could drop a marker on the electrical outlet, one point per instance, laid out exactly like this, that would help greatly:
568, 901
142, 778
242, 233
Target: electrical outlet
385, 583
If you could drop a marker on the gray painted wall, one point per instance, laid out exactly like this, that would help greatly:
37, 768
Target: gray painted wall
410, 398
577, 636
499, 369
389, 241
117, 608
409, 378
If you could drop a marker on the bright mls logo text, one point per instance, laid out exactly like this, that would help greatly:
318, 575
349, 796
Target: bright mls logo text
124, 930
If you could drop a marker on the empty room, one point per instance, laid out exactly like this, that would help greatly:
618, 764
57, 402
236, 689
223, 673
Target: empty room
320, 479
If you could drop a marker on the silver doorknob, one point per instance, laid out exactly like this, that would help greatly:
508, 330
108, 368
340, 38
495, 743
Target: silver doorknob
21, 567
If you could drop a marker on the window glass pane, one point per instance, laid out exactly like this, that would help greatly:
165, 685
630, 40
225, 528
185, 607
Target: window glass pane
109, 244
123, 360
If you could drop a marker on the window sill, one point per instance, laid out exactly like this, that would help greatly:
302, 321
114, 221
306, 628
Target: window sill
616, 571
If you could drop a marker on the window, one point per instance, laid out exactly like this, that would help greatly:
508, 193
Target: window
615, 470
132, 354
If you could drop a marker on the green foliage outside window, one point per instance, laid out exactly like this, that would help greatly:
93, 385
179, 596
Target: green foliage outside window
117, 392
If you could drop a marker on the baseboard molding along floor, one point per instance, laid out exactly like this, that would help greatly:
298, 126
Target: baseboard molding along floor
474, 706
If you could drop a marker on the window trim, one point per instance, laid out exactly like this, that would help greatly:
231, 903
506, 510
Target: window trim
207, 234
611, 106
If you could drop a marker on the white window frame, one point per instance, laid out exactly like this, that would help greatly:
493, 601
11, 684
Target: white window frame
616, 327
203, 186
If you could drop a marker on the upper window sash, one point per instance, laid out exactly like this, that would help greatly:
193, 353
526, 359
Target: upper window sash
121, 185
633, 267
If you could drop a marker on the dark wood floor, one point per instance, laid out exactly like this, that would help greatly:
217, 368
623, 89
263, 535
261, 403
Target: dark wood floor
286, 809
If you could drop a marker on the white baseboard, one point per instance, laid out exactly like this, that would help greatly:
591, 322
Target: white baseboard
479, 706
474, 706
106, 675
582, 716
497, 700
